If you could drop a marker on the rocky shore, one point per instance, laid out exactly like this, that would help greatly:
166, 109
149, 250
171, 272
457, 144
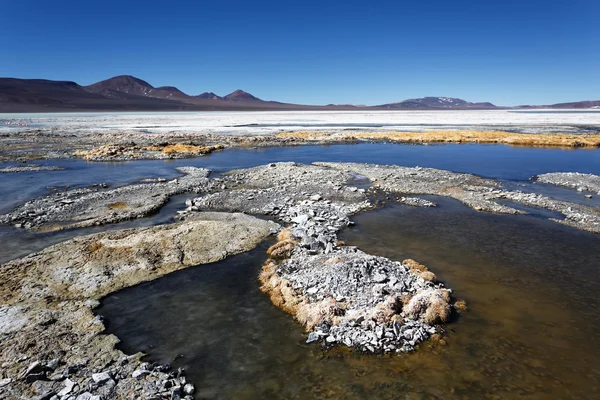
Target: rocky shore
130, 144
574, 180
338, 293
53, 346
29, 168
78, 208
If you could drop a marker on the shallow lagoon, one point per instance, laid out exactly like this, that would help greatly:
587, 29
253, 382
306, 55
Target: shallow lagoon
531, 330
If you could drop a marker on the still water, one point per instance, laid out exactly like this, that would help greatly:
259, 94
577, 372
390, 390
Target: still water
531, 330
514, 164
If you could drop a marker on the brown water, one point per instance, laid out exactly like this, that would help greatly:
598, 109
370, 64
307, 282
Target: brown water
531, 330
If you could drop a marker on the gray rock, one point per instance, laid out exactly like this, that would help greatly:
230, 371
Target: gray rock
101, 377
312, 337
189, 389
4, 382
70, 386
140, 373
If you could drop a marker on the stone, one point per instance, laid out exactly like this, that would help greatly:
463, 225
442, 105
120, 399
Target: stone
101, 377
70, 386
189, 389
140, 373
4, 382
34, 368
312, 337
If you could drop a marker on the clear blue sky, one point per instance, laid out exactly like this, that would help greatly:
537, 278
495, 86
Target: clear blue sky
316, 52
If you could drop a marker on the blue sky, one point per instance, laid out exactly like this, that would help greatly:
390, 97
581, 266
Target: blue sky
315, 52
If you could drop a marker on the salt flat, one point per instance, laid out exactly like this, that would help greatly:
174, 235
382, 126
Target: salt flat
524, 121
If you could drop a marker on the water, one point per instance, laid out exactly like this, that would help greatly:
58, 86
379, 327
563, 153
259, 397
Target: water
531, 329
502, 162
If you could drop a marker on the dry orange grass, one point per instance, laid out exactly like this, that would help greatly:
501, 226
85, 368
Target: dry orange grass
430, 306
499, 137
180, 148
420, 270
118, 205
281, 250
460, 305
284, 234
95, 246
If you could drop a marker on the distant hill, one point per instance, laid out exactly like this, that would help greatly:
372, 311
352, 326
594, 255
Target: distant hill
438, 103
128, 93
578, 104
209, 95
120, 93
240, 95
39, 95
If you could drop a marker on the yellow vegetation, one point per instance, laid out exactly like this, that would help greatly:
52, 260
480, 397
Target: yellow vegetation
180, 148
118, 205
465, 136
95, 246
460, 305
281, 250
284, 234
420, 270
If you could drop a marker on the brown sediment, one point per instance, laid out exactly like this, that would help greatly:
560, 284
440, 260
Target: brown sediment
464, 136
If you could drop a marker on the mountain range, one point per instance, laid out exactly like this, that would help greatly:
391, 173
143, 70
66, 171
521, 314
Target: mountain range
127, 93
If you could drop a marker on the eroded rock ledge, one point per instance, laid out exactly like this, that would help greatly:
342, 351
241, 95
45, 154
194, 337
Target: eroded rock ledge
53, 347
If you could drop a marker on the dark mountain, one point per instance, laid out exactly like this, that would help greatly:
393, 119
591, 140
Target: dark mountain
121, 84
168, 92
38, 95
41, 91
209, 95
121, 93
127, 93
124, 86
437, 103
240, 95
578, 104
